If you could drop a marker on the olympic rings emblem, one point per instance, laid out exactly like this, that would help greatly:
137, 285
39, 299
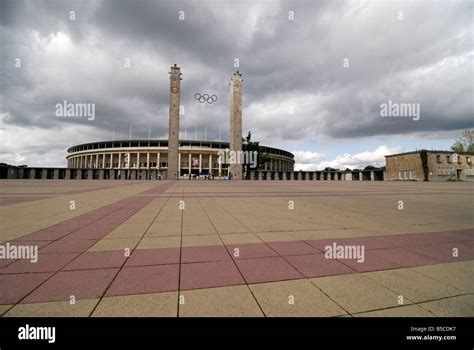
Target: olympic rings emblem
205, 98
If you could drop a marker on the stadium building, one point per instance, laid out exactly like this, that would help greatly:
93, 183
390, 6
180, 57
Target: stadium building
148, 159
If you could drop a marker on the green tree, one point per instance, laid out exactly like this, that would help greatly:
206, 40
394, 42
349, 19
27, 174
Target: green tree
251, 146
371, 167
464, 143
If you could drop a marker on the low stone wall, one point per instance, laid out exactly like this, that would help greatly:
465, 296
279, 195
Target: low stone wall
154, 174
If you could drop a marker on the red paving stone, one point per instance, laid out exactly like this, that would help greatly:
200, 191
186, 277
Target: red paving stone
316, 265
97, 260
250, 251
145, 279
15, 287
271, 269
204, 253
444, 252
18, 200
369, 243
385, 259
157, 270
82, 284
209, 274
293, 248
144, 257
45, 263
68, 246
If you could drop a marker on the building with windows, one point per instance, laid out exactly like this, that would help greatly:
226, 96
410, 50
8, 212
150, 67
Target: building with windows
148, 159
434, 165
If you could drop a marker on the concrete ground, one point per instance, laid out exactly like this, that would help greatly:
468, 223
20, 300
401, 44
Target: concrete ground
220, 248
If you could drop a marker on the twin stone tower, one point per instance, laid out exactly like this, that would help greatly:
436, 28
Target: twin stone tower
235, 170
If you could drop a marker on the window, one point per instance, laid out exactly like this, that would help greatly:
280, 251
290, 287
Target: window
468, 160
412, 174
438, 158
405, 174
459, 159
400, 175
448, 159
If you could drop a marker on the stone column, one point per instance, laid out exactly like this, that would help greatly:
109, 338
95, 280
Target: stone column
260, 175
90, 174
220, 169
32, 173
360, 176
200, 163
173, 131
372, 176
158, 160
189, 163
120, 160
179, 163
111, 160
148, 160
210, 164
96, 160
56, 174
101, 174
236, 122
67, 174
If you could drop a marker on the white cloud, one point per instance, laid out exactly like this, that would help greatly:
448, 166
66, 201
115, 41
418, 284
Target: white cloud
315, 161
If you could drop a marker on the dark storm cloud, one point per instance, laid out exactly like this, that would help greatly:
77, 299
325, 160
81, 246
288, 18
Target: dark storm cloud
424, 58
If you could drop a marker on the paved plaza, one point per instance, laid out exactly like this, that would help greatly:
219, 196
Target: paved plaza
237, 248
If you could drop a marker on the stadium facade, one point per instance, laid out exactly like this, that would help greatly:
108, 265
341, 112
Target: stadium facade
148, 159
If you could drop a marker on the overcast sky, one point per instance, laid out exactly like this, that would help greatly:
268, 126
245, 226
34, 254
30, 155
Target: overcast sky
315, 74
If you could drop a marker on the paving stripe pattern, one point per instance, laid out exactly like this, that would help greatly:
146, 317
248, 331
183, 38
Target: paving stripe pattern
162, 270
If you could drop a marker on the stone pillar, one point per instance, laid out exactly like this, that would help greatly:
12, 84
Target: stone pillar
67, 174
133, 174
120, 160
44, 174
138, 160
56, 174
158, 160
148, 160
79, 174
200, 163
101, 174
111, 160
154, 173
32, 173
283, 176
210, 164
90, 174
189, 163
360, 176
220, 169
260, 175
179, 163
236, 122
372, 176
173, 131
97, 161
